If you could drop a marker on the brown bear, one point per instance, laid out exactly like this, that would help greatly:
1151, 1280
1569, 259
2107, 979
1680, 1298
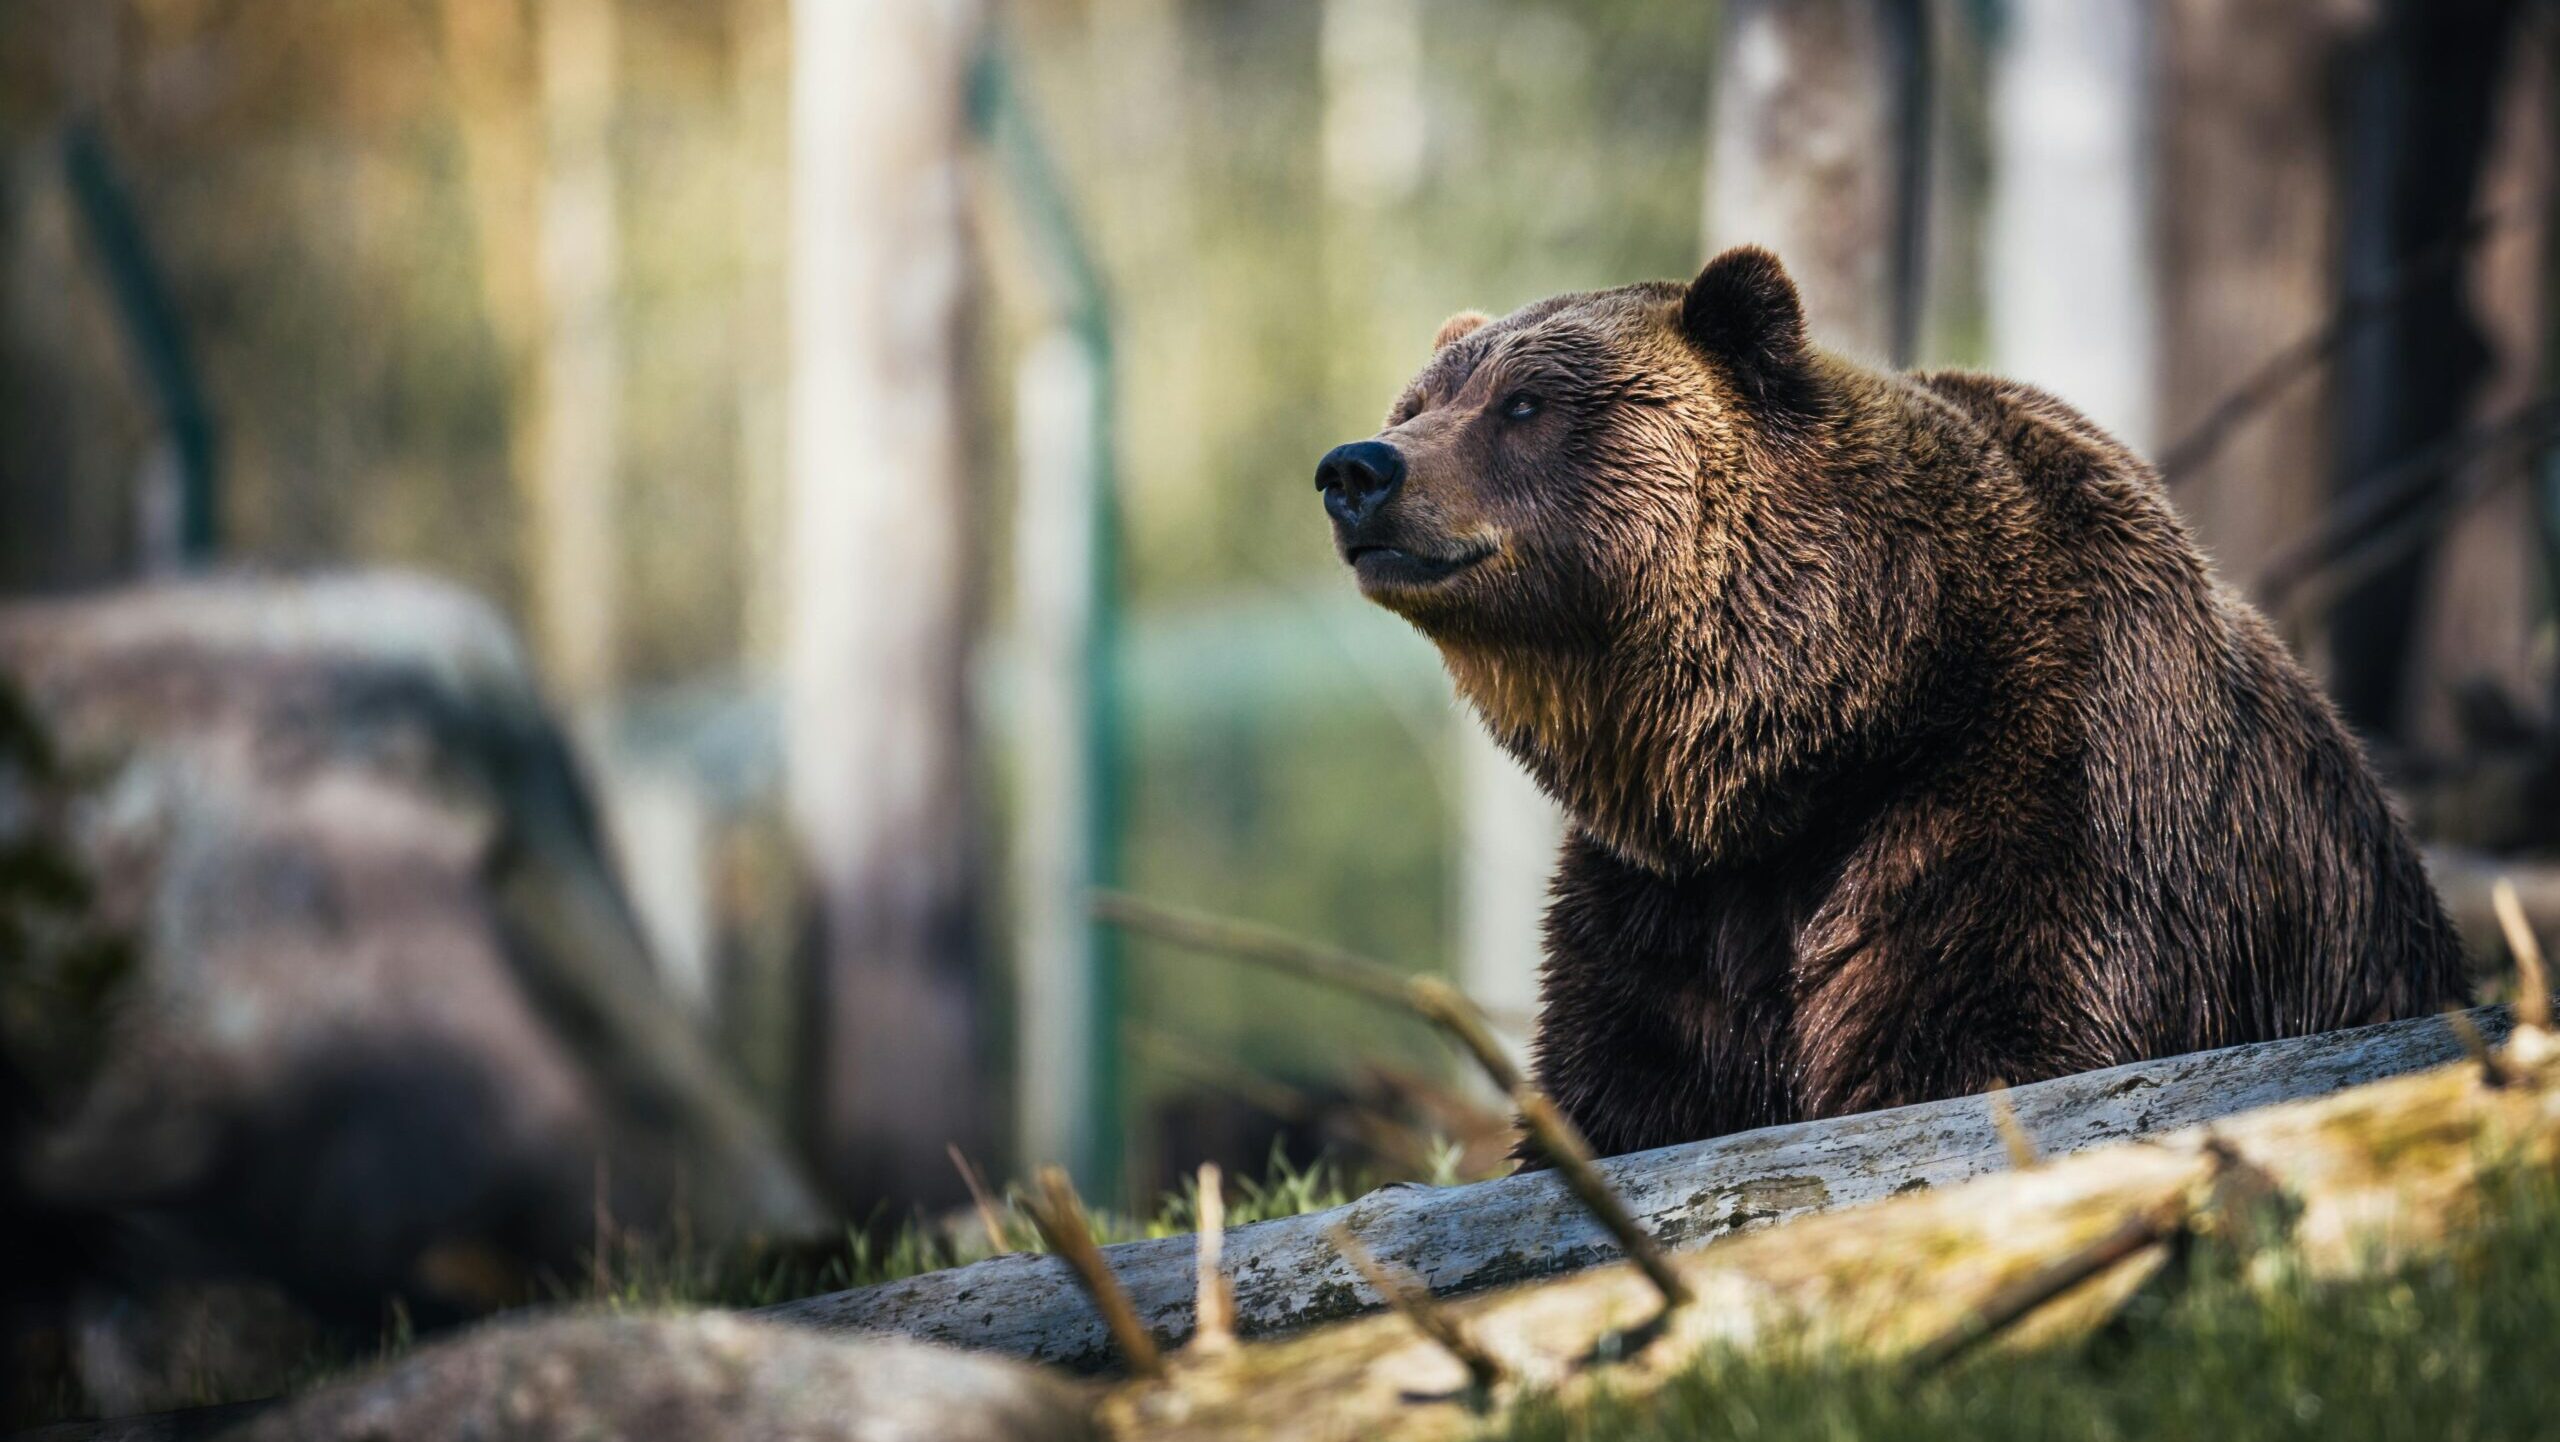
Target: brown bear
1909, 743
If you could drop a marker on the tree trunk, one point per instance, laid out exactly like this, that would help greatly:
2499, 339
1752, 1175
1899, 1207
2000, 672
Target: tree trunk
535, 108
1062, 1115
575, 568
1816, 140
2248, 208
1510, 831
885, 581
760, 70
2482, 599
2070, 304
2419, 114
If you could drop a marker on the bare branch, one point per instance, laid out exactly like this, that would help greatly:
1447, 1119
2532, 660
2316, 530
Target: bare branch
2319, 348
1446, 1007
988, 1216
1261, 945
1406, 1293
1428, 997
2371, 527
2147, 1227
1564, 1146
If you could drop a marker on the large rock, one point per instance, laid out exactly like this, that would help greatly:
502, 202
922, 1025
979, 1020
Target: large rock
390, 1027
709, 1377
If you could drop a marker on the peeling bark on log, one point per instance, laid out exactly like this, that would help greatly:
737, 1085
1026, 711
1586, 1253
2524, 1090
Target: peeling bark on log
1287, 1274
2381, 1172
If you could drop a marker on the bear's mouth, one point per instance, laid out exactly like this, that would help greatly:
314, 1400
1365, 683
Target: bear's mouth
1398, 566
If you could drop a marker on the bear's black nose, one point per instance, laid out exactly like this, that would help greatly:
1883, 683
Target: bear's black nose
1358, 478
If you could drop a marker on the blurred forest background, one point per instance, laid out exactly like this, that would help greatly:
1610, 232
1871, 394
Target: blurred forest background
889, 424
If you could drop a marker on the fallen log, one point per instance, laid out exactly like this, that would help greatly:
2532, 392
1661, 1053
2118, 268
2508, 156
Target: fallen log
1287, 1274
2353, 1183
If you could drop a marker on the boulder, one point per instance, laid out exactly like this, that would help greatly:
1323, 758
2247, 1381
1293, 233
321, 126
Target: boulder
704, 1377
382, 1022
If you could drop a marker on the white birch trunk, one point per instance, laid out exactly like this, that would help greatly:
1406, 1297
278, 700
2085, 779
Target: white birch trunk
2070, 255
883, 582
1803, 140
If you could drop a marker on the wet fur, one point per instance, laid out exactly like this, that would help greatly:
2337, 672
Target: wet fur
1908, 741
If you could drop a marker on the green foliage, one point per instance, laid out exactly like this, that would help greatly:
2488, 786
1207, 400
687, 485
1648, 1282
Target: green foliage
2466, 1344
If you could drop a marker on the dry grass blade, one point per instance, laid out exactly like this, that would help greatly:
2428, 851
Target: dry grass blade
600, 1265
2475, 1046
1215, 1309
1571, 1155
2533, 983
2013, 1134
988, 1216
1413, 1301
1060, 1218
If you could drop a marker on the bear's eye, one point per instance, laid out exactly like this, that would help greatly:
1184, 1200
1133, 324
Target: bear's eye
1521, 405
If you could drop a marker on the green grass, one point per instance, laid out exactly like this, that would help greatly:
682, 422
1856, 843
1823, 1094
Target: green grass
2465, 1345
638, 1273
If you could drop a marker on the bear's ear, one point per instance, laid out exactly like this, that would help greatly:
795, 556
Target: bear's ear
1458, 327
1743, 313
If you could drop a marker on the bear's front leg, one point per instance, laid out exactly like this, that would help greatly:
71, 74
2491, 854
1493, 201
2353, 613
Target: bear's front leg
1663, 1007
1929, 994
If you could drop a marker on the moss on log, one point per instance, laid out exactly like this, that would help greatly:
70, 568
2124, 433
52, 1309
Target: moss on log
2370, 1176
1288, 1276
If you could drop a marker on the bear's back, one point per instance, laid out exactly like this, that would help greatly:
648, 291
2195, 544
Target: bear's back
2262, 881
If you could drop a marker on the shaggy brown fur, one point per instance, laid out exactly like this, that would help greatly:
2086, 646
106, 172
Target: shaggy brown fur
1909, 743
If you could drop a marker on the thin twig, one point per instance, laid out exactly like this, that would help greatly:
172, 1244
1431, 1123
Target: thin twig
2475, 1046
2367, 530
1464, 1020
1428, 997
2533, 984
1214, 1325
1262, 945
2013, 1135
1445, 1108
1365, 1127
988, 1217
1060, 1219
1565, 1147
1438, 1002
2310, 352
1220, 1073
2147, 1227
1413, 1301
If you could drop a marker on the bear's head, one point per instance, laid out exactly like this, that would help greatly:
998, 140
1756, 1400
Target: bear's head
1629, 520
